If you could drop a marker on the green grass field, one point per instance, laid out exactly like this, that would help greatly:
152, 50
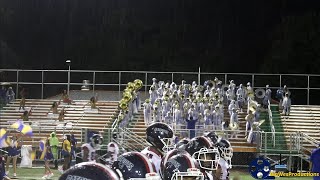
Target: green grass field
37, 173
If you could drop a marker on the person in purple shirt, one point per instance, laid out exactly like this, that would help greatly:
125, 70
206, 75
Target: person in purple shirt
315, 159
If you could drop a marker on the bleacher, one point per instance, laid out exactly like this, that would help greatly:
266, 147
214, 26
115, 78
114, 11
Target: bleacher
305, 119
76, 118
239, 144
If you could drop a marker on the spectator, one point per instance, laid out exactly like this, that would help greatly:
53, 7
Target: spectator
54, 108
65, 98
47, 158
315, 160
25, 116
23, 94
286, 104
61, 114
73, 146
13, 152
3, 99
10, 95
54, 142
66, 152
92, 103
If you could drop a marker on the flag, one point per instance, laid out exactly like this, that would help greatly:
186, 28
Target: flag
17, 125
26, 130
3, 138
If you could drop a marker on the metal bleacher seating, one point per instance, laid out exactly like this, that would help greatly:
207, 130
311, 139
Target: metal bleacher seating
75, 120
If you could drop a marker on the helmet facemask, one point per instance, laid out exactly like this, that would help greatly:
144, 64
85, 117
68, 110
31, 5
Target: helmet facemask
191, 174
227, 153
207, 158
168, 144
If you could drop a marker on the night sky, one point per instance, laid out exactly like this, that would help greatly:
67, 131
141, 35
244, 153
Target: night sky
267, 36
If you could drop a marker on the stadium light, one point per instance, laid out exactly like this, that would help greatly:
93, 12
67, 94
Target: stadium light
69, 64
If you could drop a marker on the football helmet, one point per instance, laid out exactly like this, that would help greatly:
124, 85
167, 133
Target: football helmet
96, 141
197, 143
213, 137
225, 150
133, 165
181, 145
171, 153
89, 170
161, 136
179, 167
204, 152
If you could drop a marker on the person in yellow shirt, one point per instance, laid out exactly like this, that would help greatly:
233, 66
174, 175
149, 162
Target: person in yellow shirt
66, 152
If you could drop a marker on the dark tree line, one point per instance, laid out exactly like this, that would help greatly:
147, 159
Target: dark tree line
253, 36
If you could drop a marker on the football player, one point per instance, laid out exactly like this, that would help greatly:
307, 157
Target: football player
160, 136
88, 150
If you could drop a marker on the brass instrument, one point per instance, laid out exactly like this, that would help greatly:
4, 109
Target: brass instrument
233, 125
131, 86
137, 84
127, 96
253, 106
123, 104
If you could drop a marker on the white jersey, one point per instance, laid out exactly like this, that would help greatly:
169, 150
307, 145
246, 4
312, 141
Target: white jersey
224, 165
154, 155
91, 152
113, 150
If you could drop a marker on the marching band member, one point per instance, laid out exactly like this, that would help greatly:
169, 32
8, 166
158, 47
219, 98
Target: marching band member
234, 119
168, 118
147, 112
156, 115
267, 97
240, 97
231, 106
166, 107
249, 120
208, 119
286, 104
250, 93
230, 94
153, 94
217, 118
154, 83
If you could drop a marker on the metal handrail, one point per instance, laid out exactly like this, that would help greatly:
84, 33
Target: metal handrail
145, 75
271, 124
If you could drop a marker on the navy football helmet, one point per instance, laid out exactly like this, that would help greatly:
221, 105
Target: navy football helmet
132, 165
161, 136
181, 145
89, 170
181, 165
213, 137
204, 152
168, 156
